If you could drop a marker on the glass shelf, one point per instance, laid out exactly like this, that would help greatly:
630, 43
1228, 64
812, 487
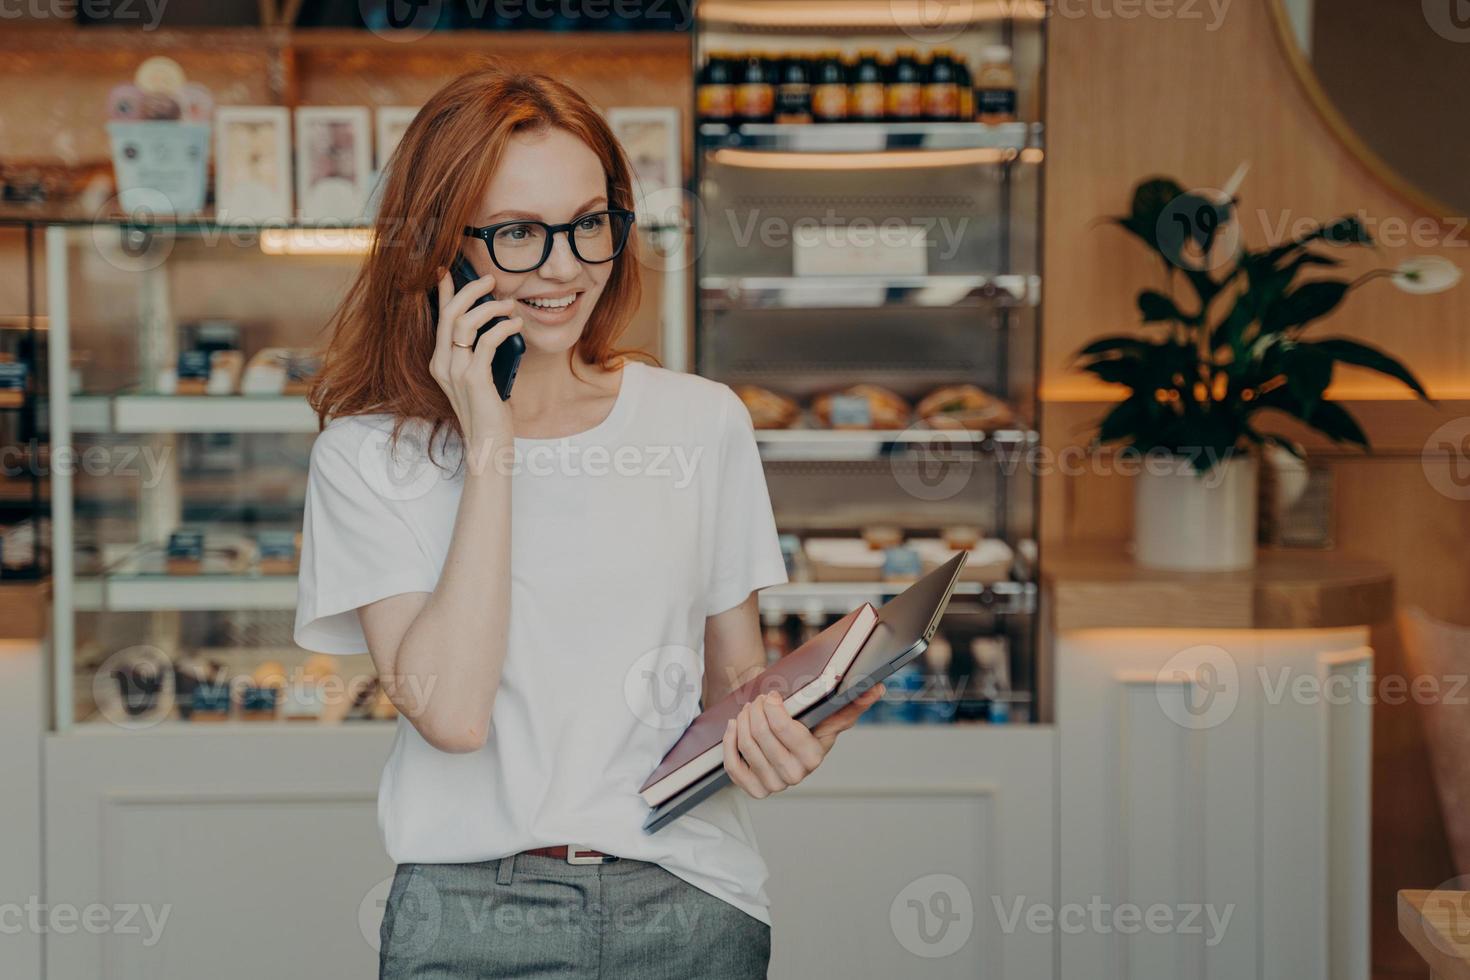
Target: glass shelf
869, 444
882, 137
863, 292
95, 414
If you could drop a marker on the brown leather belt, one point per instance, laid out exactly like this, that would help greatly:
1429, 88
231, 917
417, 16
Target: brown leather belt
573, 854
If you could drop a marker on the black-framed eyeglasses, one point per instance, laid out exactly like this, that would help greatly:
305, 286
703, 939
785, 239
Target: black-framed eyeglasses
524, 245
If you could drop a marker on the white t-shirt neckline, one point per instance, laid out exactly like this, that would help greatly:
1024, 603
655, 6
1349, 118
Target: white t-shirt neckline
611, 422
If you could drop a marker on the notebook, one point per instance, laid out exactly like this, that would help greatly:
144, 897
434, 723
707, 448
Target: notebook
905, 625
803, 677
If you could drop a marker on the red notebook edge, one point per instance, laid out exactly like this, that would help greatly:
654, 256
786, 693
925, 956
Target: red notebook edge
789, 675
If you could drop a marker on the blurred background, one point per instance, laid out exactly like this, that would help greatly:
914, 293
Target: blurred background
1152, 307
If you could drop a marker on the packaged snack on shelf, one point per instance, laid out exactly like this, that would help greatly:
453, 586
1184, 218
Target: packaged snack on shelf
211, 701
13, 377
791, 555
279, 550
843, 560
191, 376
258, 703
901, 564
185, 553
862, 406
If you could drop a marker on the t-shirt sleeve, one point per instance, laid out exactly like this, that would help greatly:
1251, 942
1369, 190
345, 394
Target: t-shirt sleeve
747, 550
356, 544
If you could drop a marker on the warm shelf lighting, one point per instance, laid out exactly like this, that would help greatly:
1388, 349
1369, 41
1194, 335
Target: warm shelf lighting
916, 15
316, 241
876, 160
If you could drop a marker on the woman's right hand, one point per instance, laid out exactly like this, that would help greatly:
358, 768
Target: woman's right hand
464, 374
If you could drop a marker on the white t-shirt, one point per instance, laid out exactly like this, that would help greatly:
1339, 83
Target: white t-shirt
624, 538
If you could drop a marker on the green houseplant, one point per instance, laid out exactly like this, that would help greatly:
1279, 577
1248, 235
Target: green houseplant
1231, 338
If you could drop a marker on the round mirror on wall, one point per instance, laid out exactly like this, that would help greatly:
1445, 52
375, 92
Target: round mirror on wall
1393, 78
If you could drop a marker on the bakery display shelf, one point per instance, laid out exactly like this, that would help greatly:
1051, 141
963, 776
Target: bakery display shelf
143, 413
879, 17
1007, 139
140, 591
96, 723
864, 292
839, 598
865, 444
92, 41
839, 372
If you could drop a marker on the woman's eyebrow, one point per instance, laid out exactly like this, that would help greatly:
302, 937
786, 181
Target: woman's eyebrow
532, 216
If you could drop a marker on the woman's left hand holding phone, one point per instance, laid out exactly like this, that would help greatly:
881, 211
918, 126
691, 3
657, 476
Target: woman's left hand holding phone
440, 654
462, 366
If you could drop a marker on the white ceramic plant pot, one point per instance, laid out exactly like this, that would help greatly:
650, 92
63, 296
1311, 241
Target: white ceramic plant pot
1189, 522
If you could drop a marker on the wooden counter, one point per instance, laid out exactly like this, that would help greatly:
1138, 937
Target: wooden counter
1434, 924
23, 607
1100, 586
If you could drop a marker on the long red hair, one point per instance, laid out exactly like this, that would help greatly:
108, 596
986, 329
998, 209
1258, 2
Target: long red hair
377, 359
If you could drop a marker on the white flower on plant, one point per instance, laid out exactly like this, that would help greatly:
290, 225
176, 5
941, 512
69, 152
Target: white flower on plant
1425, 274
1232, 186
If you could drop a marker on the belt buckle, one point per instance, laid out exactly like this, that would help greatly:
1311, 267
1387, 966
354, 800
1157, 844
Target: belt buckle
574, 856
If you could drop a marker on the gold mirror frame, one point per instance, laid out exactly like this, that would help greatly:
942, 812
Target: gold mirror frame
1380, 169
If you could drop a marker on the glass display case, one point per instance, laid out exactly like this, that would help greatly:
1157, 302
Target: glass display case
24, 459
180, 355
869, 195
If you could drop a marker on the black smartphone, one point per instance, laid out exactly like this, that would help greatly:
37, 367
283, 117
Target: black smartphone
508, 355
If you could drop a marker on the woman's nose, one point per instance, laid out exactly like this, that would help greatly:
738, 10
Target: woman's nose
562, 264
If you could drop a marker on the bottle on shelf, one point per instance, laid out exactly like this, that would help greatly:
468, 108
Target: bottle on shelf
715, 90
829, 88
941, 88
865, 97
794, 90
965, 85
755, 92
995, 86
774, 635
905, 90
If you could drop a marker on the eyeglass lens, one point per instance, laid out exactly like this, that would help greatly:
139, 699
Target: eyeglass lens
523, 247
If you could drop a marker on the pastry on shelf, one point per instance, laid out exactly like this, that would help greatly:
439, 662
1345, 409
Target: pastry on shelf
964, 407
880, 536
843, 560
768, 409
990, 559
862, 406
280, 371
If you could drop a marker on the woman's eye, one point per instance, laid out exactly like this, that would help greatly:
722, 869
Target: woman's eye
515, 233
593, 222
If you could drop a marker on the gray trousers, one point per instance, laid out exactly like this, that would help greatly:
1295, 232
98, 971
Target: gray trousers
531, 916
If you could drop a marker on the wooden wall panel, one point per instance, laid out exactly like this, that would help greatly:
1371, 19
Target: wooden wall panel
1147, 95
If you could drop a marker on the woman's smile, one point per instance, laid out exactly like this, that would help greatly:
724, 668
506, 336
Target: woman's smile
553, 308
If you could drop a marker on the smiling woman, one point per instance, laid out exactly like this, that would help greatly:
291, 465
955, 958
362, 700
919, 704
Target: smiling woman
524, 619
